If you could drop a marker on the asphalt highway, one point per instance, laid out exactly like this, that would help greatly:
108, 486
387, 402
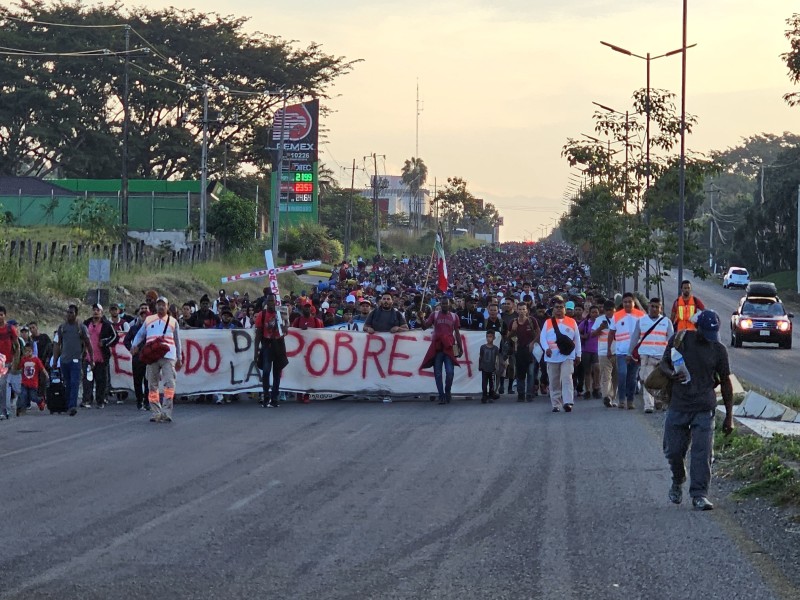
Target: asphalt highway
763, 365
360, 500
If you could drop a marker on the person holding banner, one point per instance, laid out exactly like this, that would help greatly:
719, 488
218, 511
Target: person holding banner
270, 349
445, 348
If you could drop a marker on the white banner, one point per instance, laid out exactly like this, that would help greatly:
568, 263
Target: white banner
320, 360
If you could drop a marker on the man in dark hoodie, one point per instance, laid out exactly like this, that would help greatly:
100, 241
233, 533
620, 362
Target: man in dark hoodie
102, 336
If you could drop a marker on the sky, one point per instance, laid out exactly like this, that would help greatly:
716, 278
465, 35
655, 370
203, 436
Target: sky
504, 83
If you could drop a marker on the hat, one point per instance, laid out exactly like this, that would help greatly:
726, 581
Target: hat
24, 328
350, 298
235, 293
325, 305
570, 305
366, 300
97, 305
162, 299
708, 325
113, 305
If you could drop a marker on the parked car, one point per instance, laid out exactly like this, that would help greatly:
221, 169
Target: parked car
736, 277
761, 318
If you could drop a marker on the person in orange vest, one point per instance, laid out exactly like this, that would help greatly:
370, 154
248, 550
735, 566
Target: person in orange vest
685, 307
561, 361
619, 332
649, 340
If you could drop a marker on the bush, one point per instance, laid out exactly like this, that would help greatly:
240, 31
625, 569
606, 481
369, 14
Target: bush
232, 221
311, 242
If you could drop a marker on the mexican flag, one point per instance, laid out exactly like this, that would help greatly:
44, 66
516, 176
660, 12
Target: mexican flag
441, 263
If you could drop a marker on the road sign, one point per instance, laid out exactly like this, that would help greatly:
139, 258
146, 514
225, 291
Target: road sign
99, 270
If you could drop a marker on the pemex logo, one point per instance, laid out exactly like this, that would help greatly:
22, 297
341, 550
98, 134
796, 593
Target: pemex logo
298, 123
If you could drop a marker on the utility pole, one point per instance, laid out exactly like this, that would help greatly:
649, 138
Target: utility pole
348, 226
125, 127
417, 220
204, 171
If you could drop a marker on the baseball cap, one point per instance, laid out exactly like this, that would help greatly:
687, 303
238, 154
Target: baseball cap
708, 325
350, 298
162, 299
569, 305
97, 305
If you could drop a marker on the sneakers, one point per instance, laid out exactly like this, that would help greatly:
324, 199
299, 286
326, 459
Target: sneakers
271, 405
607, 402
621, 405
86, 405
648, 411
73, 411
4, 417
587, 395
556, 409
155, 418
568, 408
675, 494
166, 419
701, 503
484, 399
630, 406
41, 405
596, 394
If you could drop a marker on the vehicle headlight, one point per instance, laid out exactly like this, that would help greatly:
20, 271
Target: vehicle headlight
783, 325
746, 324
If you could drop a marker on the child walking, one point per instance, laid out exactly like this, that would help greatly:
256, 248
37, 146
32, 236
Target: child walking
32, 369
487, 365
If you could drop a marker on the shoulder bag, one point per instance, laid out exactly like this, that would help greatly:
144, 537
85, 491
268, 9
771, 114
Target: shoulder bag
155, 349
564, 343
635, 352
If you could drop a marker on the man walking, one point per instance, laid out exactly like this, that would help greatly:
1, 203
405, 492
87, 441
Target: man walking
385, 319
139, 369
101, 337
690, 416
620, 331
444, 350
9, 350
270, 350
685, 307
649, 338
606, 352
560, 363
70, 346
161, 325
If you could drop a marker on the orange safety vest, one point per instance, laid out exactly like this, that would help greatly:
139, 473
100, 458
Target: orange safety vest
685, 312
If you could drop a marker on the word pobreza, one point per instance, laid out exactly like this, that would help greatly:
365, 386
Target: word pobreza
320, 360
256, 274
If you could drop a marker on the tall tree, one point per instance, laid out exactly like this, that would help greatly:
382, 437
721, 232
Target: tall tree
64, 114
792, 57
414, 175
451, 201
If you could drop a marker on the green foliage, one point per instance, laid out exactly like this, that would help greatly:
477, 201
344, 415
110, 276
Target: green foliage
232, 221
63, 113
94, 220
69, 279
792, 57
333, 210
766, 239
310, 241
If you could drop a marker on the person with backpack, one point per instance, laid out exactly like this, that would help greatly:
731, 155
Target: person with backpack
102, 336
562, 343
648, 342
526, 331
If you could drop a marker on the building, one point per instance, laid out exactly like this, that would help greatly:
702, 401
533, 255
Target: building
395, 197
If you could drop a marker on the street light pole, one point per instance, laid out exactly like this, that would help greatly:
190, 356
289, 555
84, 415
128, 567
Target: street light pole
126, 118
682, 176
204, 170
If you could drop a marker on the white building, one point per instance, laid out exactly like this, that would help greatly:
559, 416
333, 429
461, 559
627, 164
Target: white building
395, 197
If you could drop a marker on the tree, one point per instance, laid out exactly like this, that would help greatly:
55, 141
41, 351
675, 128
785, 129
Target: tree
333, 209
94, 219
414, 175
452, 201
792, 57
311, 242
232, 221
64, 114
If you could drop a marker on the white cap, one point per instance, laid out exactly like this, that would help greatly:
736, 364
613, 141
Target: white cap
350, 298
325, 305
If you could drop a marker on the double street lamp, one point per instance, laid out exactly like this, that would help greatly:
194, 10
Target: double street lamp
648, 58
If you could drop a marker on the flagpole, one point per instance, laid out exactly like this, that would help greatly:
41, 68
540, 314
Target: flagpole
427, 276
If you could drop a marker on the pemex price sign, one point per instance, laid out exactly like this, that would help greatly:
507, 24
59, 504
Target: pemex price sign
299, 185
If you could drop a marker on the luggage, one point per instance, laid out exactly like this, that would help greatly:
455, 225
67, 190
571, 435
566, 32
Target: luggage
56, 394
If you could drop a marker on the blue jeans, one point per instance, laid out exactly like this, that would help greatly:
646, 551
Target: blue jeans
27, 397
626, 378
443, 389
681, 428
71, 375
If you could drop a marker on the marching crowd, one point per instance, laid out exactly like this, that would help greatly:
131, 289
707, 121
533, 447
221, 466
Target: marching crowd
548, 332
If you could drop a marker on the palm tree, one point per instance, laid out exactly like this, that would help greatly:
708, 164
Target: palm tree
415, 174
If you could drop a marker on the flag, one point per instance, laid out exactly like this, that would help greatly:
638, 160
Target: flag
441, 263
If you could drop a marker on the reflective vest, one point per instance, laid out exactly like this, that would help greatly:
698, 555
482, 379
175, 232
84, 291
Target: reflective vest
686, 311
656, 341
623, 325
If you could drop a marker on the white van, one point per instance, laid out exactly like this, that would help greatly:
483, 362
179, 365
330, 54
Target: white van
736, 277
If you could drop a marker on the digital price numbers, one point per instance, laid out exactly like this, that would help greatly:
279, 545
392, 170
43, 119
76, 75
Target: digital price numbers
297, 186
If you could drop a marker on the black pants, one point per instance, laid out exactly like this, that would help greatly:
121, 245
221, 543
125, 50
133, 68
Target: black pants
487, 383
269, 364
140, 386
577, 377
523, 360
97, 389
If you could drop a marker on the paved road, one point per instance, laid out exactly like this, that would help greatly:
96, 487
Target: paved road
359, 500
764, 365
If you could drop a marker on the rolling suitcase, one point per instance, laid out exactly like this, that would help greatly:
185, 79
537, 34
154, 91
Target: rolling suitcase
56, 394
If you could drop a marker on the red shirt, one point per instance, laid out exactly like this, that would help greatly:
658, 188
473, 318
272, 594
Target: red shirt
268, 326
31, 367
8, 334
302, 322
443, 324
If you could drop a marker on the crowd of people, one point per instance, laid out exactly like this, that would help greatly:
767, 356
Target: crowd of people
548, 331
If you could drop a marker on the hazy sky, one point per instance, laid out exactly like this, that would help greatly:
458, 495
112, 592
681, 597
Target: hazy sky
505, 82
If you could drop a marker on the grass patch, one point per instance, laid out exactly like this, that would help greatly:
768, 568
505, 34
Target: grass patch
768, 467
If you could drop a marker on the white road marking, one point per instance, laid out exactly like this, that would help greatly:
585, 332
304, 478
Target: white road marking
239, 504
